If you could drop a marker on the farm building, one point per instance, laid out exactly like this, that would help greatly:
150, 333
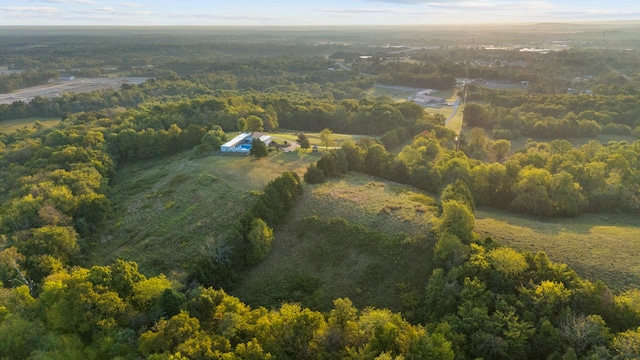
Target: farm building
242, 142
424, 97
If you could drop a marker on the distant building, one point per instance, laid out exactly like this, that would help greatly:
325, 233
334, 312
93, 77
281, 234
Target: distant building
66, 77
242, 143
424, 97
524, 83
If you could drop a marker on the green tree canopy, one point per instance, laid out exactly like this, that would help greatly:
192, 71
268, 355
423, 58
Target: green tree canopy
258, 148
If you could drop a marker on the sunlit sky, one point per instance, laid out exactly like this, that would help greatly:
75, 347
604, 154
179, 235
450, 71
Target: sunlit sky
310, 12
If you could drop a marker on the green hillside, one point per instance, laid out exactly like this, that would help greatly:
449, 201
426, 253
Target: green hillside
356, 237
342, 241
597, 247
165, 209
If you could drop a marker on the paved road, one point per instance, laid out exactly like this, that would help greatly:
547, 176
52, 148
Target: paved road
81, 85
454, 112
343, 66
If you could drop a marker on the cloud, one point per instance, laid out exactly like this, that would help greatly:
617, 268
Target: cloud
493, 5
414, 2
84, 2
114, 12
472, 4
375, 11
597, 14
30, 9
130, 5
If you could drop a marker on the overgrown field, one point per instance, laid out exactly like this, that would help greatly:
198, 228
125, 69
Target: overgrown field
368, 240
166, 209
597, 247
355, 237
8, 126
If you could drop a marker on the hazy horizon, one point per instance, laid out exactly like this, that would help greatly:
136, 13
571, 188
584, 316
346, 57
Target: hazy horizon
309, 13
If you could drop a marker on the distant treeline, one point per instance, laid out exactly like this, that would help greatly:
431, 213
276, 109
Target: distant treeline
513, 114
12, 82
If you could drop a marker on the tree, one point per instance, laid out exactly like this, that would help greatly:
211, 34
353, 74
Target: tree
507, 261
260, 238
476, 115
532, 192
214, 138
459, 191
303, 141
258, 148
326, 138
500, 149
457, 219
254, 124
242, 124
449, 251
314, 175
477, 143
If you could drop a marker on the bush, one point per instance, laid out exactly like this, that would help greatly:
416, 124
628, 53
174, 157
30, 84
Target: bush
314, 175
616, 129
260, 238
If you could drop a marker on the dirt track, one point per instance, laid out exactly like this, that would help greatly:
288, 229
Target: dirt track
76, 86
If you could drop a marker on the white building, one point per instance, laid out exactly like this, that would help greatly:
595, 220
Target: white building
242, 142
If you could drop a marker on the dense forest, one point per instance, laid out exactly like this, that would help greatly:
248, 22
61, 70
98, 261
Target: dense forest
482, 300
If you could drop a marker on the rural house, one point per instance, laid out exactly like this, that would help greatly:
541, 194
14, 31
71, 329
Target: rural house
242, 142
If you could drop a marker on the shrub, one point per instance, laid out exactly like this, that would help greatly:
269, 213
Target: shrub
314, 175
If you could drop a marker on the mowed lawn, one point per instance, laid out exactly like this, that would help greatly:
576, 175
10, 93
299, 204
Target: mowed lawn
314, 138
596, 246
248, 173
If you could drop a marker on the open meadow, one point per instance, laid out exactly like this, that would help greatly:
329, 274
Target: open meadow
342, 240
597, 246
314, 137
357, 237
165, 209
8, 126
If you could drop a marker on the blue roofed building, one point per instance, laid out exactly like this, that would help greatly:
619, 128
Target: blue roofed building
242, 143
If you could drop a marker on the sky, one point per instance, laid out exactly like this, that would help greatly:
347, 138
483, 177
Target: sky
310, 12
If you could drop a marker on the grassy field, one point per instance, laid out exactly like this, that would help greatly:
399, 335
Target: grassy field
8, 126
316, 258
521, 143
597, 247
165, 209
455, 123
314, 138
380, 256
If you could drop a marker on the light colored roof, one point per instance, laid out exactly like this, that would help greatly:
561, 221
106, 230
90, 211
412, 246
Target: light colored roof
233, 142
265, 138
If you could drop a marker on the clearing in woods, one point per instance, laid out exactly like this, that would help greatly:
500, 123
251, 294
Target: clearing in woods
8, 126
597, 246
165, 209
